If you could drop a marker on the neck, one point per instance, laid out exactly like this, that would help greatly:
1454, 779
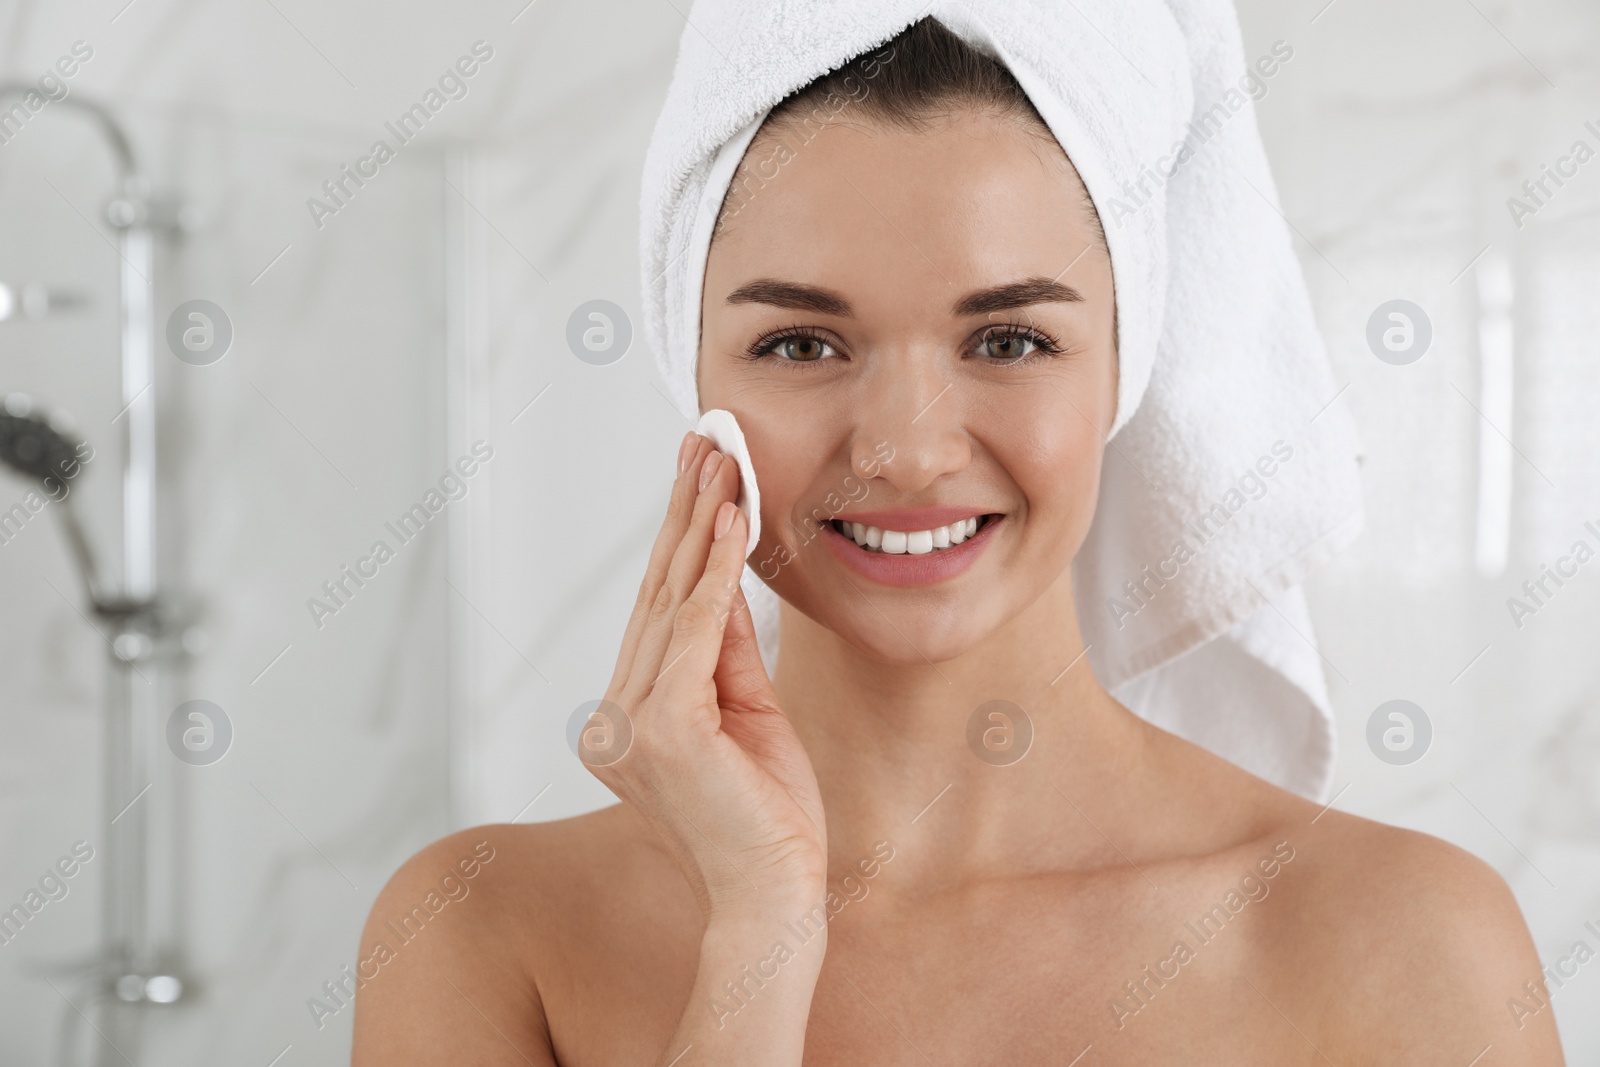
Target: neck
899, 759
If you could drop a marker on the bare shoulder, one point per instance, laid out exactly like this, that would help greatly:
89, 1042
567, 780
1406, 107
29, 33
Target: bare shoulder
1403, 947
1379, 944
451, 956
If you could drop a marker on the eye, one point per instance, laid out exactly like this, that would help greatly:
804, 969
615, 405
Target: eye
1014, 343
792, 344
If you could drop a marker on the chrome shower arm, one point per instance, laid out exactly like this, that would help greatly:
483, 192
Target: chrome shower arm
114, 135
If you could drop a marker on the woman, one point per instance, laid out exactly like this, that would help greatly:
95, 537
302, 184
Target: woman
932, 836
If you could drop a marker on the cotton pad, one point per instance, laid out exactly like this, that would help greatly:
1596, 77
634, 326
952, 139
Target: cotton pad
723, 430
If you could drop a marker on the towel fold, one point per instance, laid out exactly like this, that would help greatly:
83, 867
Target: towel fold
1230, 472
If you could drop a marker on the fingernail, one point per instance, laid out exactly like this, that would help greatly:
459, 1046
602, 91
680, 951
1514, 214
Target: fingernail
724, 519
708, 469
685, 451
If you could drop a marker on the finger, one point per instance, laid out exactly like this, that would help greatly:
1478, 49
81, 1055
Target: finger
695, 644
680, 508
685, 570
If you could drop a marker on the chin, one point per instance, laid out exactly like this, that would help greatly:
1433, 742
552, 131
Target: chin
901, 628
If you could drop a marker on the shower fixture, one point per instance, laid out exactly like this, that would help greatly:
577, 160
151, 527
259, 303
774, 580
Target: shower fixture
132, 967
31, 300
36, 445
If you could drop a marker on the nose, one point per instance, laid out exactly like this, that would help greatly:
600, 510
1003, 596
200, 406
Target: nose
911, 410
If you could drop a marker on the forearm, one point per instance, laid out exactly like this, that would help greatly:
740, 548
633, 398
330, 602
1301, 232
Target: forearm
752, 992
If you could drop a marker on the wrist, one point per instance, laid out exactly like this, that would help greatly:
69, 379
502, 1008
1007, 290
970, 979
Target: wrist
733, 908
792, 932
753, 989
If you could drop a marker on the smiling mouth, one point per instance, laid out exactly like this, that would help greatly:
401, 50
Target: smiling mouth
912, 542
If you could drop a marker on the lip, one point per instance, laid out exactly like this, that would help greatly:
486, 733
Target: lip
903, 569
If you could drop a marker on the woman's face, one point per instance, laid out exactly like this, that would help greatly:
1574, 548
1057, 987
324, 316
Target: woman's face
914, 329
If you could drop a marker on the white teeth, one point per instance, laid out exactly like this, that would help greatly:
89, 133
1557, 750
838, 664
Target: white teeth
912, 542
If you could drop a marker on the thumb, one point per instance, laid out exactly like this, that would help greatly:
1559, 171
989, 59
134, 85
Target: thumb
741, 678
752, 716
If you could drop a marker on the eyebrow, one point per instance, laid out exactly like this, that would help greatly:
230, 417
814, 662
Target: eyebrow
796, 295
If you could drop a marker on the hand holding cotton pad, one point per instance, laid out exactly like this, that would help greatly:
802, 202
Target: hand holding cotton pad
723, 430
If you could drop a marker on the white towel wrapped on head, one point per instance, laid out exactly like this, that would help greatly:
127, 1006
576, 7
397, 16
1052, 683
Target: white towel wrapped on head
1188, 583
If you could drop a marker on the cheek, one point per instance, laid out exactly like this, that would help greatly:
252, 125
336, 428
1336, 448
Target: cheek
1053, 455
787, 455
1053, 452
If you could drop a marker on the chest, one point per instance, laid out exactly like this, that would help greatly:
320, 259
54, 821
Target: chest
1047, 983
1116, 973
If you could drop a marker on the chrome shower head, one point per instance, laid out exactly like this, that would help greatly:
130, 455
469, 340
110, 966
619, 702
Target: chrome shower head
35, 442
39, 445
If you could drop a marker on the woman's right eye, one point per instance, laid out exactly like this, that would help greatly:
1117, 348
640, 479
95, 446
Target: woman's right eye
801, 349
791, 346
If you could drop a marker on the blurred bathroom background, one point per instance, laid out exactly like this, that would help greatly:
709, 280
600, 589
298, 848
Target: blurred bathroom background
246, 450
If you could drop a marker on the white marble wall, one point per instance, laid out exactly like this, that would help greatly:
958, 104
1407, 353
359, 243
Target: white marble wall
431, 311
280, 463
1398, 133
